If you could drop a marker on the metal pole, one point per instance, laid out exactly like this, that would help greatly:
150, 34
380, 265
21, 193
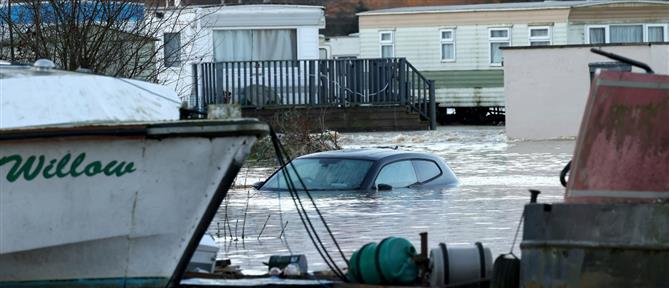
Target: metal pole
433, 107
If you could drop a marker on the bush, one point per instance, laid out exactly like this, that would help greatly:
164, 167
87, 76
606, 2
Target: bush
296, 132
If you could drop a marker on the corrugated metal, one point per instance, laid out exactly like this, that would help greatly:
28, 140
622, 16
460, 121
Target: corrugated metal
466, 78
620, 12
463, 18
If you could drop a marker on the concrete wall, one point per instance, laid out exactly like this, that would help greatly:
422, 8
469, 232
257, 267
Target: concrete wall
546, 88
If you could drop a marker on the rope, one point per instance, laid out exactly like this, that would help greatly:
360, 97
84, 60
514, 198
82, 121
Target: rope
302, 212
297, 200
520, 222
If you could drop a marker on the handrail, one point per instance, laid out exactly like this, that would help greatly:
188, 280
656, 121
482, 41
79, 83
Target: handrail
314, 83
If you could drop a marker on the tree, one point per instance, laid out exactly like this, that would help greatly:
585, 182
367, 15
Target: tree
122, 38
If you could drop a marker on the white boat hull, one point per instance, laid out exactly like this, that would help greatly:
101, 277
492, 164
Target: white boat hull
109, 224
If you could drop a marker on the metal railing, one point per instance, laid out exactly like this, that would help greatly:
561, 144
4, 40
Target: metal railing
314, 83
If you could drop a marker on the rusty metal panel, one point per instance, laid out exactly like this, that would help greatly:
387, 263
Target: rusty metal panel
622, 152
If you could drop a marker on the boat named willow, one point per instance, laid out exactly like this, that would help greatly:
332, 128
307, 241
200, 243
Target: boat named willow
101, 184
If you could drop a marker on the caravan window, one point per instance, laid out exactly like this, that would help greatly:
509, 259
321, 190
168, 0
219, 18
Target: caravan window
540, 36
626, 33
387, 43
498, 37
172, 49
447, 44
256, 45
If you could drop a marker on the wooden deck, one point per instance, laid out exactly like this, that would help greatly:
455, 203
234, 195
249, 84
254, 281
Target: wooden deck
343, 95
351, 119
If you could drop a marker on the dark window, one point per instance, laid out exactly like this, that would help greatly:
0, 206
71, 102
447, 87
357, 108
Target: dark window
397, 174
172, 49
426, 170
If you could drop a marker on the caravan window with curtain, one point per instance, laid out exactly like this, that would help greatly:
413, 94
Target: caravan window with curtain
255, 45
656, 33
626, 33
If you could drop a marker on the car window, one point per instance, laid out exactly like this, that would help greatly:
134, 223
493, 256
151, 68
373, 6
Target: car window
426, 170
397, 174
323, 174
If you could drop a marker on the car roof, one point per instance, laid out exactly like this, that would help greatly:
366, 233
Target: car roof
374, 154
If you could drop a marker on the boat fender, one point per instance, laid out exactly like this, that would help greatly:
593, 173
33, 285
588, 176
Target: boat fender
447, 269
378, 261
479, 247
459, 264
506, 272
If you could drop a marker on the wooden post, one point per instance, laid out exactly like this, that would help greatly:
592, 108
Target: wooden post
402, 82
433, 107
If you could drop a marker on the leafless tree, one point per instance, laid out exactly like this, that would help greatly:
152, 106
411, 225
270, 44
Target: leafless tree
122, 38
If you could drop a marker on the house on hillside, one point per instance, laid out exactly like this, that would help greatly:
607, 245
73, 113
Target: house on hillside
459, 46
235, 34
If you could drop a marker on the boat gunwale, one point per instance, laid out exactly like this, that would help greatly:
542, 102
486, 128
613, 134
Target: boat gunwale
159, 130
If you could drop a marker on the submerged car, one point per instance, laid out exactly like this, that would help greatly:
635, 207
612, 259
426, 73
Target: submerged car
364, 169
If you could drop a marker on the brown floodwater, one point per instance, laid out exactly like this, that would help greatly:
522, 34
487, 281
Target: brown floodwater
495, 175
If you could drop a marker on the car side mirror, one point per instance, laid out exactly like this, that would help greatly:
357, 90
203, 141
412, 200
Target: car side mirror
258, 184
383, 187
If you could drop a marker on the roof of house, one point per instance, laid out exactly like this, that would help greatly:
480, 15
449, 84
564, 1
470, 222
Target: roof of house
504, 6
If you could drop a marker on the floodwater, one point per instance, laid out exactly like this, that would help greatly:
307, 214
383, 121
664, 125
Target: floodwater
495, 175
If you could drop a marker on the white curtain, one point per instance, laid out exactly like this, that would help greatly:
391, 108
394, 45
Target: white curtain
656, 34
276, 44
233, 45
447, 51
597, 35
626, 34
245, 45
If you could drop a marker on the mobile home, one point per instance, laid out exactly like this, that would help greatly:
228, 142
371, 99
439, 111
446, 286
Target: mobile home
459, 45
235, 33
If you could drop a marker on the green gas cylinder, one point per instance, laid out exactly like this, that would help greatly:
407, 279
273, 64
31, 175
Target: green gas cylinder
389, 262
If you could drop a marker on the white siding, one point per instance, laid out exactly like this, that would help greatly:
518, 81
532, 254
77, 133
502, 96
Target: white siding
307, 42
560, 32
470, 97
421, 45
576, 34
